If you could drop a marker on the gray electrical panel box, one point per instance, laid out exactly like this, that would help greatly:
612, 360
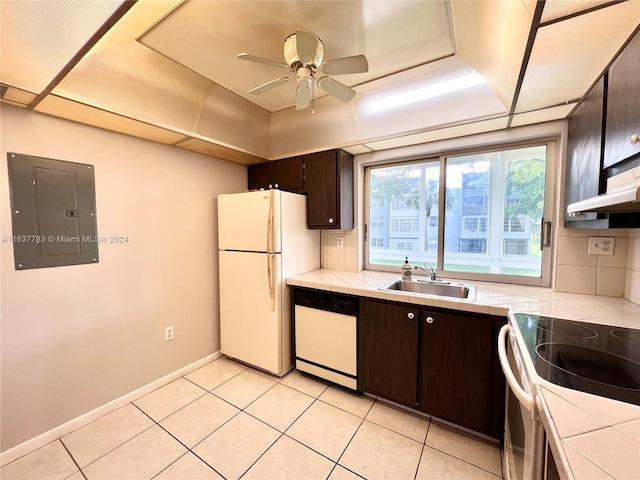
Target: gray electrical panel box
53, 212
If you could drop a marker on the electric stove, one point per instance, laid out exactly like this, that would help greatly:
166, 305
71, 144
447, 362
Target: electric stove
593, 358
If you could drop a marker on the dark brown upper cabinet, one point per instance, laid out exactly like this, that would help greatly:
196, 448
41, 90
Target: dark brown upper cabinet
329, 182
599, 140
623, 106
584, 152
326, 178
287, 174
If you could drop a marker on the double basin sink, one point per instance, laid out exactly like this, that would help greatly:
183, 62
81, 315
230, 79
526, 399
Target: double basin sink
438, 288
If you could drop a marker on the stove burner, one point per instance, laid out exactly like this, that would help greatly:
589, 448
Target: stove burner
631, 336
591, 364
563, 327
589, 357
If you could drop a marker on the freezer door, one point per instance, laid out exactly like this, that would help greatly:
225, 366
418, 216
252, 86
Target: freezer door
250, 308
249, 221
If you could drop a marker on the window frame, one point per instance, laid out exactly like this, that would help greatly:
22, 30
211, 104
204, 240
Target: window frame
552, 153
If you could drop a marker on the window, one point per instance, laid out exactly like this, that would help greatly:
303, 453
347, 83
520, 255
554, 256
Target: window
404, 224
415, 189
377, 222
513, 246
474, 224
517, 224
492, 204
473, 245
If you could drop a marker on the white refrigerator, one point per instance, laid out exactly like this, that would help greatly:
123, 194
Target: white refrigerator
262, 239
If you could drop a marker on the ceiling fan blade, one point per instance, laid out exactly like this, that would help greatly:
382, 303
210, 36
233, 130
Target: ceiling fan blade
337, 89
306, 44
269, 85
303, 95
340, 66
264, 61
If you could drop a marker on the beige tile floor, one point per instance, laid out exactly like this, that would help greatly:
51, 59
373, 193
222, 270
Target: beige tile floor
225, 420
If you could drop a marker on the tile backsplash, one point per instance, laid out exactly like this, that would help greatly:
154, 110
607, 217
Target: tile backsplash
632, 282
614, 276
340, 258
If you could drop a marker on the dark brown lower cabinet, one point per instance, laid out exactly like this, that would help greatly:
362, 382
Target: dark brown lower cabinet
387, 350
441, 362
455, 374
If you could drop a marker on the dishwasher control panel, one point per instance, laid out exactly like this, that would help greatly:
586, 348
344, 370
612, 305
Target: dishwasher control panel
330, 302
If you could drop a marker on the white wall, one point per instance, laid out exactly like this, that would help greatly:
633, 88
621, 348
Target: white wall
75, 338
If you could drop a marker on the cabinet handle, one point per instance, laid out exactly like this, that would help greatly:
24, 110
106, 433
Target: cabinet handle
270, 186
410, 315
330, 220
429, 319
276, 185
634, 139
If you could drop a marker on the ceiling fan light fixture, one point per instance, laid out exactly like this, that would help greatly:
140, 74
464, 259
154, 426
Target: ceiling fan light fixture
292, 55
303, 90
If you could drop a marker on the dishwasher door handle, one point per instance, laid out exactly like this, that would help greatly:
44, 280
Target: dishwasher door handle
525, 398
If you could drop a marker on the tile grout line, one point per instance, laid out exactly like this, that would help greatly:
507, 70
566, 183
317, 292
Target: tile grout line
424, 445
73, 459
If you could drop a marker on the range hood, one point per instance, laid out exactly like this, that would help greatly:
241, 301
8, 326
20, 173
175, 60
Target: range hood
623, 195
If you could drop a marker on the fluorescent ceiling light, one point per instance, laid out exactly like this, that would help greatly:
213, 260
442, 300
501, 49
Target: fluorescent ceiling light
425, 93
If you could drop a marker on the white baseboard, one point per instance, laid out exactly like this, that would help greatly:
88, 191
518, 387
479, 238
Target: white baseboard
68, 427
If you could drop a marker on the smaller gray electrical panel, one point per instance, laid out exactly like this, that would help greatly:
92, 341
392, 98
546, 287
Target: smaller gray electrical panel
53, 212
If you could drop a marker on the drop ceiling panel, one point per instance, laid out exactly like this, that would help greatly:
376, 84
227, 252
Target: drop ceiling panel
569, 56
38, 38
544, 115
554, 9
207, 36
491, 36
441, 134
133, 81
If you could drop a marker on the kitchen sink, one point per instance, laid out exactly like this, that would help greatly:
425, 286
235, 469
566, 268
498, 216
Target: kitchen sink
433, 287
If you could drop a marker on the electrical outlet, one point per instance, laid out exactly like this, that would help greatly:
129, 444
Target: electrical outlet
601, 245
168, 334
340, 242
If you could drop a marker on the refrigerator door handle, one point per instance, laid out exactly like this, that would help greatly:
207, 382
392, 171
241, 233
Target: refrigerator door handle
270, 224
272, 287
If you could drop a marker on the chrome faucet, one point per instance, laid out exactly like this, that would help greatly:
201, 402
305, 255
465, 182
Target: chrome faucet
432, 274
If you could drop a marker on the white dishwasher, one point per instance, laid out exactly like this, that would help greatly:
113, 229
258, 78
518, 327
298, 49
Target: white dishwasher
326, 327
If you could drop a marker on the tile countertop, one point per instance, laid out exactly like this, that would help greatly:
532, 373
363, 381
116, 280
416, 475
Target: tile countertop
594, 437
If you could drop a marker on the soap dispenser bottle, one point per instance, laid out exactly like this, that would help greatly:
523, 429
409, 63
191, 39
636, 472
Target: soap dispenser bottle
406, 269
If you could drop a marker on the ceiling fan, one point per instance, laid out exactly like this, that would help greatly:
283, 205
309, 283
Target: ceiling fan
304, 54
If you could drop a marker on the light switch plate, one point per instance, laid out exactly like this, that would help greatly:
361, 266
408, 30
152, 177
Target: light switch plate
601, 245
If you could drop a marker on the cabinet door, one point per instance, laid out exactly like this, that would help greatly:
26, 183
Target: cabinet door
388, 350
286, 174
329, 190
623, 105
584, 151
455, 369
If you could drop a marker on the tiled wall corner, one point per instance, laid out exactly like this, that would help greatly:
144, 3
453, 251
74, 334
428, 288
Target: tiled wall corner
632, 282
343, 258
579, 272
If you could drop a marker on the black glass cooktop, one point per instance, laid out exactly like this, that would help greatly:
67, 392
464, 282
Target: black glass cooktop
598, 359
